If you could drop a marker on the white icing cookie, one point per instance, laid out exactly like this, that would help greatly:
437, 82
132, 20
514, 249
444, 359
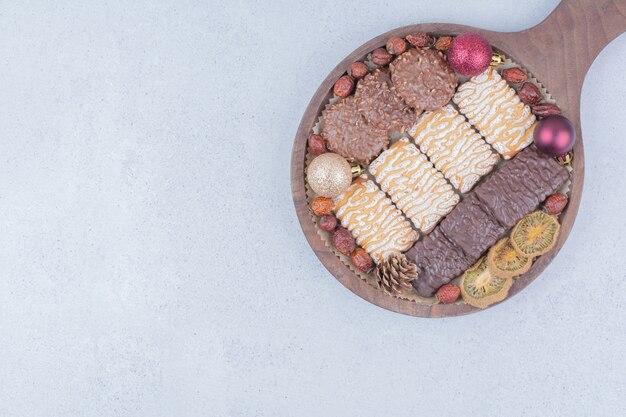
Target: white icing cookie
417, 188
497, 112
454, 147
378, 226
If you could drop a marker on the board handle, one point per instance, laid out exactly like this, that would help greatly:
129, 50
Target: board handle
582, 28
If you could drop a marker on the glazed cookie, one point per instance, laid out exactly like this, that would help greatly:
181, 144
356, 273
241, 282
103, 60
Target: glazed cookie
417, 188
454, 147
378, 226
497, 112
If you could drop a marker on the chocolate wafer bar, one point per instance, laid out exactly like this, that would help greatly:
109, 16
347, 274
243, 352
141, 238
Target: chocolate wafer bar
519, 187
483, 217
438, 261
472, 228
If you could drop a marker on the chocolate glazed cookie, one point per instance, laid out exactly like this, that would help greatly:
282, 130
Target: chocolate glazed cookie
377, 100
423, 78
348, 133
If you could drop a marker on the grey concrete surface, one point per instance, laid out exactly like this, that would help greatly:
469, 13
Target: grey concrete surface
151, 263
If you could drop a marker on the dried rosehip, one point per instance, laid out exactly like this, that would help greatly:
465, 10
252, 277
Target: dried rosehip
448, 293
343, 241
529, 93
381, 57
317, 144
322, 206
396, 46
545, 110
419, 39
555, 203
443, 43
358, 70
362, 260
344, 86
514, 75
328, 223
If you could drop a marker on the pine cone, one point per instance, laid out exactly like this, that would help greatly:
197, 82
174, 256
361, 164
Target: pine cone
394, 274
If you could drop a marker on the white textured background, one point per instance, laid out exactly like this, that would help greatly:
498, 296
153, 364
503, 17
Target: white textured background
151, 263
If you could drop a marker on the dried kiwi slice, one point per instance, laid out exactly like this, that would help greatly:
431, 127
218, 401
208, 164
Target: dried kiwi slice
480, 288
535, 234
504, 261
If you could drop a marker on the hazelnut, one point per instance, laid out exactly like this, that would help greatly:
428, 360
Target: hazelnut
396, 46
358, 70
317, 145
381, 57
344, 86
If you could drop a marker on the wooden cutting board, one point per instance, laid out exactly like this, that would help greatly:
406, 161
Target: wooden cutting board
558, 52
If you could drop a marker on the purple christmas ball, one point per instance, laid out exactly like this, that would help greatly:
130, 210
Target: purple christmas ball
554, 136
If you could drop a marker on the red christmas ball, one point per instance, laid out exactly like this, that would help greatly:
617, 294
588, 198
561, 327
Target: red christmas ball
469, 54
554, 136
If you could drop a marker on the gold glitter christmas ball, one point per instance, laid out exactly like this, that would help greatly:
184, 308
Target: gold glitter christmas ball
329, 175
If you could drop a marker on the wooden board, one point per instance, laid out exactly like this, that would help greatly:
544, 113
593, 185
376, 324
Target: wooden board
558, 52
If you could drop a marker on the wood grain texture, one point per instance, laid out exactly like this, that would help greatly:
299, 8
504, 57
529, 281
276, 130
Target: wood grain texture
558, 52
